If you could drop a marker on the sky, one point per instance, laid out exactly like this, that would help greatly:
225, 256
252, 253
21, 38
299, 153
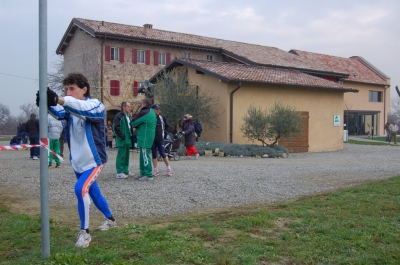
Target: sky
366, 28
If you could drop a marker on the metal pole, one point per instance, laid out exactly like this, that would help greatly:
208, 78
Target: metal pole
44, 183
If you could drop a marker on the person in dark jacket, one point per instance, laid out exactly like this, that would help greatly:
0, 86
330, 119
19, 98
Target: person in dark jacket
190, 138
123, 132
16, 140
24, 134
162, 128
32, 128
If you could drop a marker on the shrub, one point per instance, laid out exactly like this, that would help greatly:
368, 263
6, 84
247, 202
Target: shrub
237, 149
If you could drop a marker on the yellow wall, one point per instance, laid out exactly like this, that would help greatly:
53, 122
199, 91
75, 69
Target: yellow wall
360, 102
320, 104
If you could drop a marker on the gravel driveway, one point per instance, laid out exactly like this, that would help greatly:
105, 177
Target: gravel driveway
209, 182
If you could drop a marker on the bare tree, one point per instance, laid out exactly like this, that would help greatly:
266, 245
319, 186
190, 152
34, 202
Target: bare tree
394, 109
5, 115
55, 78
28, 109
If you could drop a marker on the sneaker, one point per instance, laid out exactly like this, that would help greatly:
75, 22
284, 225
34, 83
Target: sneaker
50, 166
137, 177
83, 239
169, 173
58, 166
189, 157
35, 158
156, 173
145, 179
121, 176
107, 224
197, 156
130, 174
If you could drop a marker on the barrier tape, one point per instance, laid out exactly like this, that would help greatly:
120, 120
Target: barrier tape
43, 142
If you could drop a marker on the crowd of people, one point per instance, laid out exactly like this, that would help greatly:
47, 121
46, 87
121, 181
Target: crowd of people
79, 120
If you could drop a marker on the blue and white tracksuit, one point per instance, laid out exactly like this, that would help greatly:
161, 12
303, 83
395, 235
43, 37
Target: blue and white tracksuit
88, 156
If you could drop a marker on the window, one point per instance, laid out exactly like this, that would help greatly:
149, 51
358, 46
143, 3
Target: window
375, 96
187, 55
210, 57
139, 85
114, 87
114, 54
162, 58
140, 56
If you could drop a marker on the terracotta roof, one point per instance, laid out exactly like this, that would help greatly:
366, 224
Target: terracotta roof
359, 69
232, 72
246, 52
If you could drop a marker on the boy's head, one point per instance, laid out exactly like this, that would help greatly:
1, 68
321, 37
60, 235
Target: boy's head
77, 85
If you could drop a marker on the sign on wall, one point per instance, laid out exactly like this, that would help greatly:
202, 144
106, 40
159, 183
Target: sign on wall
336, 120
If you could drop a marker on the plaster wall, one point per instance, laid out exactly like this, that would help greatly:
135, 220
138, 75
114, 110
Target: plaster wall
322, 105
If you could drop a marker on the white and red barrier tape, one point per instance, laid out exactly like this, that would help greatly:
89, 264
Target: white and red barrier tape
43, 142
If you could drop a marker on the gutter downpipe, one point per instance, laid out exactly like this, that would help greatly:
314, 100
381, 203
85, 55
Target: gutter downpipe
384, 105
102, 71
231, 112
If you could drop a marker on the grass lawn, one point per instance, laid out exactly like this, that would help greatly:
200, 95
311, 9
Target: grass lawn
359, 225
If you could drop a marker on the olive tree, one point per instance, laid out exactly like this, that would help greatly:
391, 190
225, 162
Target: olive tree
268, 126
175, 95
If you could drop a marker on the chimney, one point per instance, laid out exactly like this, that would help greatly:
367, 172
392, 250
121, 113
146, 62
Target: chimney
148, 30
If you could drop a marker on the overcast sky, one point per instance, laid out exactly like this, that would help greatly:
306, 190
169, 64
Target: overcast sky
344, 28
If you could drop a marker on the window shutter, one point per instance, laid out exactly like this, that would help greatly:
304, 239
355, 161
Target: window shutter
108, 53
135, 88
111, 87
168, 58
155, 57
121, 55
134, 56
116, 87
147, 57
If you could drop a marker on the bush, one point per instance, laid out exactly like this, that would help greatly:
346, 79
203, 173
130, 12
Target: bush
249, 150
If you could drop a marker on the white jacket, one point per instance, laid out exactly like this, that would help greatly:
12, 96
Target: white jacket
55, 127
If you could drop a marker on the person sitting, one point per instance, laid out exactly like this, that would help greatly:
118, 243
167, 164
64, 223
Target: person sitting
16, 140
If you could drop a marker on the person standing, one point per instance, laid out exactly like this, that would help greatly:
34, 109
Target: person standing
162, 128
145, 122
87, 147
110, 136
387, 131
54, 131
123, 137
23, 133
190, 138
393, 132
32, 128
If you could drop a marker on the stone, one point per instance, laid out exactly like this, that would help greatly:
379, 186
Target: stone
265, 156
207, 152
221, 154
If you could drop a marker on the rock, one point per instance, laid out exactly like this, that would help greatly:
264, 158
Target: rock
265, 156
284, 155
207, 152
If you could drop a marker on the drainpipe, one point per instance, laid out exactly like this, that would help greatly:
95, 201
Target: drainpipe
101, 71
384, 106
231, 113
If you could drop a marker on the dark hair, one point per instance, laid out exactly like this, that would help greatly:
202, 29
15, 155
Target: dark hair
77, 79
123, 104
147, 101
33, 115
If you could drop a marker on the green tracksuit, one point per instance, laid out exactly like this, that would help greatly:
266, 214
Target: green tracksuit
123, 139
145, 122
